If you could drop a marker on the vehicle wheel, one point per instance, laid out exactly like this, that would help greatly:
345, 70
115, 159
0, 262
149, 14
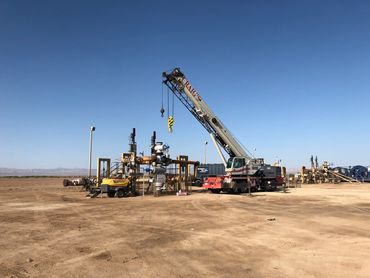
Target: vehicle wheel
238, 188
198, 183
120, 193
133, 194
111, 193
215, 190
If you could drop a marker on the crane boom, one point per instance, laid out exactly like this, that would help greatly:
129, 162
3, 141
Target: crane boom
180, 86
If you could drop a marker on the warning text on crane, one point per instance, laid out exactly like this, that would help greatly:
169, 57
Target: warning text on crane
192, 91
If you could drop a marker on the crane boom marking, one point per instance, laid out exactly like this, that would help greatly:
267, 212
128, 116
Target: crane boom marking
193, 92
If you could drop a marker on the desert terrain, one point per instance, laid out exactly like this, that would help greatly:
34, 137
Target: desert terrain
315, 231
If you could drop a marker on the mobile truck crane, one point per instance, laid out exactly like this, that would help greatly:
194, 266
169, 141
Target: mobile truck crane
243, 171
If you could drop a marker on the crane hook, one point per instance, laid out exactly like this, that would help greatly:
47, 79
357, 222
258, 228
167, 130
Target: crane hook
170, 122
162, 109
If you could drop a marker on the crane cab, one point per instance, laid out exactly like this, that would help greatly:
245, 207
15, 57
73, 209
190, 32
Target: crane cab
237, 166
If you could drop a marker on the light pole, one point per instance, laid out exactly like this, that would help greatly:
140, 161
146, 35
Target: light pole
90, 149
205, 152
254, 152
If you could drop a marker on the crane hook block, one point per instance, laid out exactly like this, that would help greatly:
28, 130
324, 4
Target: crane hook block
170, 122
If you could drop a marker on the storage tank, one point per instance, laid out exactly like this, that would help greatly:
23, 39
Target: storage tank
343, 171
359, 172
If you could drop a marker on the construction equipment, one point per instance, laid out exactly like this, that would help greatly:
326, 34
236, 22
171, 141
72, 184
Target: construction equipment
115, 181
326, 174
121, 179
243, 171
112, 181
85, 181
119, 187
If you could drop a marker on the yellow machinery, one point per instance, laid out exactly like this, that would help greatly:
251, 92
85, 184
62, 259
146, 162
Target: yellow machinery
113, 185
120, 187
115, 182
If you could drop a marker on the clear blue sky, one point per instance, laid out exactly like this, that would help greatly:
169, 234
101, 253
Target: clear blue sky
289, 78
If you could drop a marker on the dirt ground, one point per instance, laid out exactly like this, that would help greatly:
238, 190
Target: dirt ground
315, 231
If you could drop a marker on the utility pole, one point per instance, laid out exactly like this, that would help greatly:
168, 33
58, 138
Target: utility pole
90, 149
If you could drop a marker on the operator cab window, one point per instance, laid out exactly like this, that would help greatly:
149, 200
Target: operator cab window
229, 162
238, 162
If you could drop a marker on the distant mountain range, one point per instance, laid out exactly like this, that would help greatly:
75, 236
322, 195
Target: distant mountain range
63, 172
45, 172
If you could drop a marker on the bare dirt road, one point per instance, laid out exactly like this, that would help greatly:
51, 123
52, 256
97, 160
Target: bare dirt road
316, 231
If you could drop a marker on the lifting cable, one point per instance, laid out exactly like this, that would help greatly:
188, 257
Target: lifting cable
168, 103
173, 105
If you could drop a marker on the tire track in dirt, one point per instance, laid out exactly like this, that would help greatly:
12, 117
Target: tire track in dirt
44, 218
144, 224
